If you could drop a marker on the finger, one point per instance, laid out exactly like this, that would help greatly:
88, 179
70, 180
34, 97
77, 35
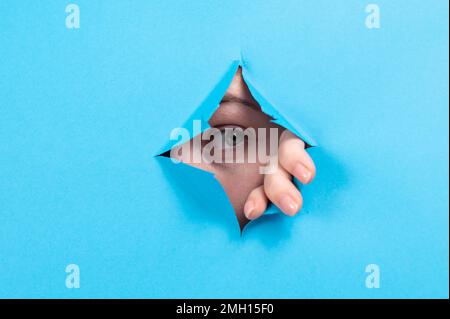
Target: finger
294, 158
256, 203
282, 192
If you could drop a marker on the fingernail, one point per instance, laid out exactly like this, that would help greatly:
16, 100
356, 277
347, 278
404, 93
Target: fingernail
288, 205
302, 173
249, 209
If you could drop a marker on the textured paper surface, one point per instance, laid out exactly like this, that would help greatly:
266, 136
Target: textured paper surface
83, 112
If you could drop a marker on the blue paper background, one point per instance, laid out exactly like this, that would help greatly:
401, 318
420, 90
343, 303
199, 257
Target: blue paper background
83, 112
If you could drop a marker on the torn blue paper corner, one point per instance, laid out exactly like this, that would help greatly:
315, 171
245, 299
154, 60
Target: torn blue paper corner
207, 190
212, 100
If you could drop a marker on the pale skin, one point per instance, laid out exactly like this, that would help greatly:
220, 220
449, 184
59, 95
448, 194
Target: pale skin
248, 190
